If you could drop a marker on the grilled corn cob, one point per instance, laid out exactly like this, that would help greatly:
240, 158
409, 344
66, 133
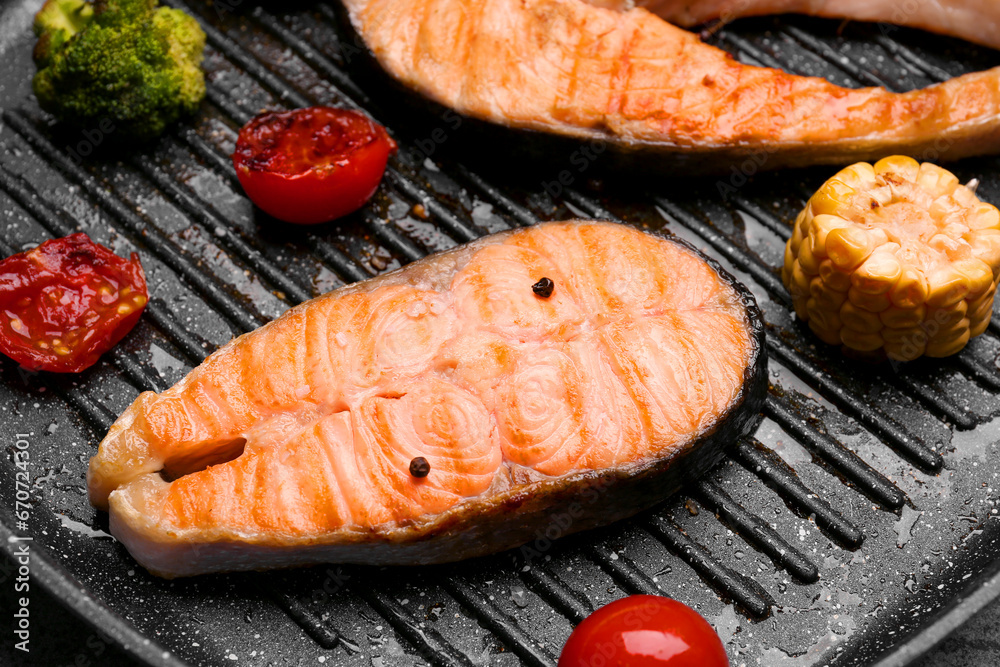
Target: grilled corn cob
897, 259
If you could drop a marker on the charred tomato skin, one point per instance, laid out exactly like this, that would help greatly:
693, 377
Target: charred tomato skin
66, 302
313, 165
644, 631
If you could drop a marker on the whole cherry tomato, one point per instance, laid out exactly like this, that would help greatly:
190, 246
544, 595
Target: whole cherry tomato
644, 631
67, 302
311, 165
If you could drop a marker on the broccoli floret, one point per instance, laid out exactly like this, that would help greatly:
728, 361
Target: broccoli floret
127, 61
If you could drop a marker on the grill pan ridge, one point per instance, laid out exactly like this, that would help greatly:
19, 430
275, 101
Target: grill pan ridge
859, 513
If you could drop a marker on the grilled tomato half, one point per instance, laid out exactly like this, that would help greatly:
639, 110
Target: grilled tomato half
312, 165
67, 302
895, 260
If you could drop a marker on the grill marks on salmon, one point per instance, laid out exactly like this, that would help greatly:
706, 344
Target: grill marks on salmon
349, 468
293, 443
623, 74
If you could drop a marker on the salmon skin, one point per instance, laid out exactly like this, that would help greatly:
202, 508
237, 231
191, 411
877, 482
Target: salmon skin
590, 395
610, 71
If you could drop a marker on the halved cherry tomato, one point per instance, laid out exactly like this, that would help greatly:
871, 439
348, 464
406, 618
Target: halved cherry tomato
311, 165
644, 631
67, 302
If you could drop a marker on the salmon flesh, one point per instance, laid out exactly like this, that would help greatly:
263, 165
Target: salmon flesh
298, 443
614, 71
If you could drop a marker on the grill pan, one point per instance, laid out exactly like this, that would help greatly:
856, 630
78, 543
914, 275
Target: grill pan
856, 527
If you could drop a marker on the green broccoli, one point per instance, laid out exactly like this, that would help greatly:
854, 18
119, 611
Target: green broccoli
129, 62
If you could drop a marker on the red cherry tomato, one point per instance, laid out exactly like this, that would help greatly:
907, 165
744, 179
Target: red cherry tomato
644, 631
67, 302
311, 165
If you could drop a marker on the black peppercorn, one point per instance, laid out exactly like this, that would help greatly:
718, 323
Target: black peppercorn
543, 288
419, 467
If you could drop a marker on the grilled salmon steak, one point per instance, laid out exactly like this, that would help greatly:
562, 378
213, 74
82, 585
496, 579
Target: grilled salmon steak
445, 410
609, 70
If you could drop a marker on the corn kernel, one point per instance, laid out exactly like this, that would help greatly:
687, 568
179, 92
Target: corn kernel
979, 273
796, 241
826, 298
833, 278
848, 247
807, 260
903, 318
936, 180
978, 308
910, 290
978, 326
950, 347
862, 342
789, 258
824, 319
878, 274
986, 246
947, 286
913, 336
984, 216
900, 167
858, 176
804, 222
859, 320
952, 248
906, 351
881, 240
964, 197
873, 303
944, 208
947, 317
820, 229
800, 281
949, 335
957, 230
831, 300
832, 198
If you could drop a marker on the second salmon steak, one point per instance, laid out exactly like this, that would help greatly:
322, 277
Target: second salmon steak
446, 410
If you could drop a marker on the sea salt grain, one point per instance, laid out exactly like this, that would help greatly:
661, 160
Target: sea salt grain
341, 339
